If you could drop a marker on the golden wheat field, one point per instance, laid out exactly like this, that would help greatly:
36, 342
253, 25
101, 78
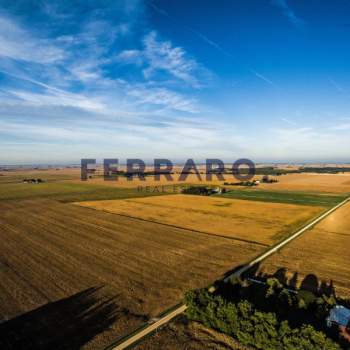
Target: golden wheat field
98, 269
259, 222
323, 183
95, 275
321, 254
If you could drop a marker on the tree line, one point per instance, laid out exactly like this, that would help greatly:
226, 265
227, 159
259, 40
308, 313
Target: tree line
266, 316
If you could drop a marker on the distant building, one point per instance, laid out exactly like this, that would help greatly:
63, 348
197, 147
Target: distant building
268, 179
265, 178
32, 181
217, 190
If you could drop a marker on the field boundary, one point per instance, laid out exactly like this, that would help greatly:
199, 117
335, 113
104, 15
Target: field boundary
280, 245
300, 198
178, 227
137, 335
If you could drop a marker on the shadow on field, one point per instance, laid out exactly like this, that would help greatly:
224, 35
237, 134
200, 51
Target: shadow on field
65, 324
290, 296
250, 272
310, 282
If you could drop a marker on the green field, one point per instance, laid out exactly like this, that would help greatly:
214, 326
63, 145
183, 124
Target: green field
68, 192
13, 177
285, 197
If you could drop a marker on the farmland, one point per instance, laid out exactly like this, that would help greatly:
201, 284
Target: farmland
67, 192
311, 183
97, 259
299, 198
262, 223
49, 175
55, 253
320, 255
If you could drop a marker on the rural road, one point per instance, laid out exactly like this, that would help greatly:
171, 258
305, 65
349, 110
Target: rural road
152, 327
134, 338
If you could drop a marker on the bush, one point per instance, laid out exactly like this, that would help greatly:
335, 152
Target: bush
252, 327
197, 190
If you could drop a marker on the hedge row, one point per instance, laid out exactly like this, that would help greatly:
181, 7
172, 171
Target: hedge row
252, 327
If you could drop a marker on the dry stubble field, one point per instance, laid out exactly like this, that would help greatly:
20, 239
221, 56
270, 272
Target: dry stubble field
304, 182
308, 182
322, 254
94, 275
260, 222
52, 251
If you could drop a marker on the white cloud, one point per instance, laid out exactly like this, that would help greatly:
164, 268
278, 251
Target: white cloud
306, 143
288, 121
336, 85
62, 98
159, 57
103, 94
130, 56
17, 43
288, 12
43, 132
64, 92
164, 97
262, 77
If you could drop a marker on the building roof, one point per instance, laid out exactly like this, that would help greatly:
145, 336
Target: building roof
339, 315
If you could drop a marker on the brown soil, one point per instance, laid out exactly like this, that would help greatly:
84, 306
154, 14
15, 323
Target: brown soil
254, 221
98, 267
319, 256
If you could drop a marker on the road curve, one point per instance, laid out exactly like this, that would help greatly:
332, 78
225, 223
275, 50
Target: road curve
133, 339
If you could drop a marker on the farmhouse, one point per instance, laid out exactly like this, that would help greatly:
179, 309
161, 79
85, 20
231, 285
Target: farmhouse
216, 190
32, 181
268, 180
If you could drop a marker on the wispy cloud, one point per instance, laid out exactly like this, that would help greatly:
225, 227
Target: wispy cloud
76, 70
59, 89
52, 96
163, 56
336, 85
305, 141
98, 84
131, 56
193, 31
288, 12
209, 41
262, 77
17, 43
163, 97
159, 56
288, 121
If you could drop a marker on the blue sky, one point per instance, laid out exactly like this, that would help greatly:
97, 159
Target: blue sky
263, 79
